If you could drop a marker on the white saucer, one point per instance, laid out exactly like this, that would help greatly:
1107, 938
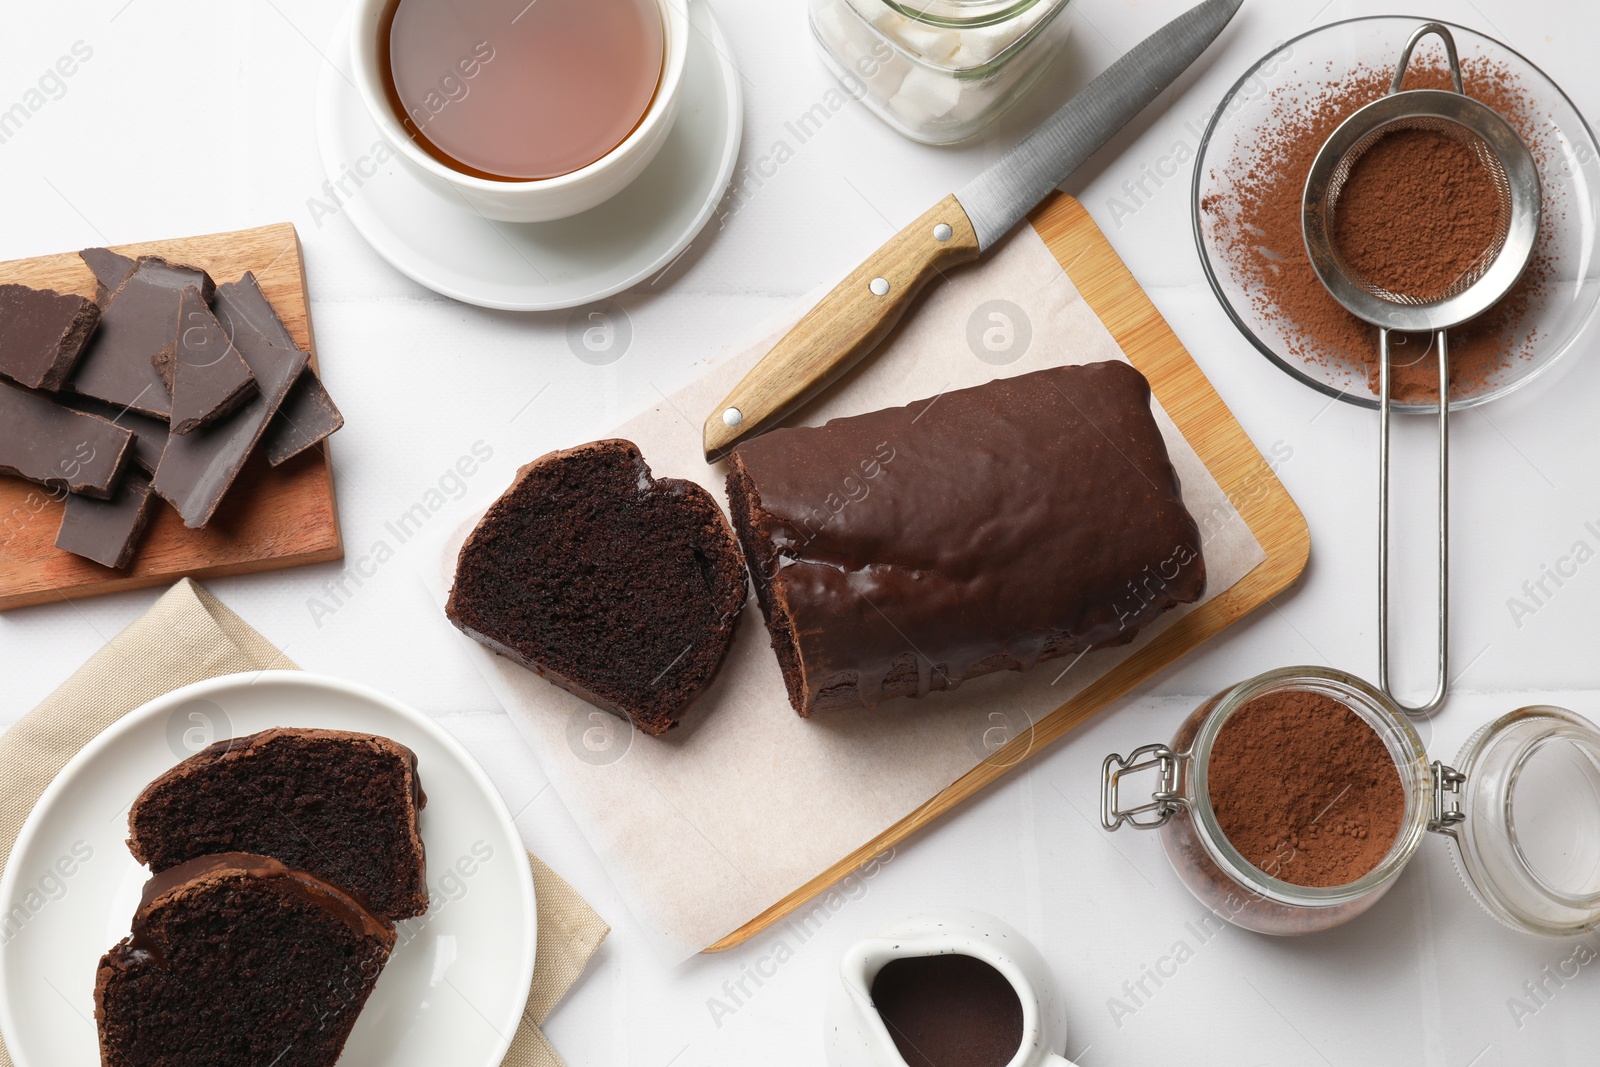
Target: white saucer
454, 989
545, 265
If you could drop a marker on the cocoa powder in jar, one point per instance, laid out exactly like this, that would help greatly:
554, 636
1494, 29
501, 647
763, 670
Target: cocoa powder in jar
1305, 789
1256, 222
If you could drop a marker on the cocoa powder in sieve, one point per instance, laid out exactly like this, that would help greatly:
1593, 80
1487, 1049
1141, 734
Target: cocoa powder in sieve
1418, 212
1305, 789
1256, 220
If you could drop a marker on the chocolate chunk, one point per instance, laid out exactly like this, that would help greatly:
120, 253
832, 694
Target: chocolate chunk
108, 531
909, 549
204, 373
149, 435
309, 414
60, 448
139, 319
110, 269
243, 301
42, 334
198, 468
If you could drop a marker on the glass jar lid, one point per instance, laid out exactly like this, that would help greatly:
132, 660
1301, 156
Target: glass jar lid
966, 38
963, 13
1522, 806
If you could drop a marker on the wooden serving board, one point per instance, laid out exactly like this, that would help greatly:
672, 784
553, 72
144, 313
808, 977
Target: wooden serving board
273, 517
1213, 432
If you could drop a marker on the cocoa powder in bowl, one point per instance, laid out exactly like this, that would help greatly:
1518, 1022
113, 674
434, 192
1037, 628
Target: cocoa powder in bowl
1254, 215
1305, 789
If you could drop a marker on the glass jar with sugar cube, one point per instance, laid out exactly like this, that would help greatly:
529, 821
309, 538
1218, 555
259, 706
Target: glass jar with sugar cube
939, 71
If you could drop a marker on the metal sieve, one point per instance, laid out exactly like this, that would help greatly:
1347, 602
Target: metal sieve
1516, 180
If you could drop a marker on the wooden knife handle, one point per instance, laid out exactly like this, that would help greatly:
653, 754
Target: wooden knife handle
845, 326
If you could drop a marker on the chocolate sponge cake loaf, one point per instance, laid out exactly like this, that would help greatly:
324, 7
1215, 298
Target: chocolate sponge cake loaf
617, 586
906, 550
237, 959
343, 806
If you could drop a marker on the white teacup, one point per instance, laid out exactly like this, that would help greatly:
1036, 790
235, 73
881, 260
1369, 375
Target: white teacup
541, 199
856, 1034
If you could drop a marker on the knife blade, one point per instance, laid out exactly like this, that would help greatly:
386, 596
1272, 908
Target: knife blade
860, 311
997, 199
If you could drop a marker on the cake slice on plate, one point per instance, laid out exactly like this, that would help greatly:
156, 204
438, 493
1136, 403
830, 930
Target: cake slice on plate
238, 959
343, 806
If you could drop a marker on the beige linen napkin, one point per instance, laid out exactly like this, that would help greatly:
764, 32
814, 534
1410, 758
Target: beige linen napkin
189, 636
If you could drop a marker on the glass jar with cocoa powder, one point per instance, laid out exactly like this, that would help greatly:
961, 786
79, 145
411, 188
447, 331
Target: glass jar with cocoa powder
1291, 802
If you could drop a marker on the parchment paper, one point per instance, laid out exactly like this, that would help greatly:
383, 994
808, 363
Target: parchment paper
705, 828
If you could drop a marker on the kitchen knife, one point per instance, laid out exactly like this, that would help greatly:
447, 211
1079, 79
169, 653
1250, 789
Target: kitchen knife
861, 310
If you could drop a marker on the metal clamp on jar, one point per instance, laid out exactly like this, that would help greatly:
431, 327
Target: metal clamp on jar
1521, 805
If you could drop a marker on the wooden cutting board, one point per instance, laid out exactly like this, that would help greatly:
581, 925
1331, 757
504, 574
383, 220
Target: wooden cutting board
1186, 394
273, 517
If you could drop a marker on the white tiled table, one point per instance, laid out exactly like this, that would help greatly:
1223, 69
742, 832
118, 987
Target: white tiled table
197, 118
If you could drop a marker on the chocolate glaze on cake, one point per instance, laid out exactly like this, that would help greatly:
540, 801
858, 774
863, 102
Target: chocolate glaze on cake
906, 550
236, 958
196, 873
619, 587
343, 806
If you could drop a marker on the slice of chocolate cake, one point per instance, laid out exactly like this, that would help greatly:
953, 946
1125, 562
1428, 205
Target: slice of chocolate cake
615, 585
342, 806
238, 959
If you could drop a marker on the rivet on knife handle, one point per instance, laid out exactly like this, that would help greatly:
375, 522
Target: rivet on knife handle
845, 326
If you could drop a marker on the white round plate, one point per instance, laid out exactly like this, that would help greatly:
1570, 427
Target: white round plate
537, 266
456, 985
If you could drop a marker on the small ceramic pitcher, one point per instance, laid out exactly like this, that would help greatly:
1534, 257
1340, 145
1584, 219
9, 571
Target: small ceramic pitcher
856, 1034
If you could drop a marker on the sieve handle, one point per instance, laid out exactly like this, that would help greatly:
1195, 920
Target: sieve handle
1422, 31
1442, 682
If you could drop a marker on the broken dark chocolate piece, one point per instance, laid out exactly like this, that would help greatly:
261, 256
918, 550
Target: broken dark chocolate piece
149, 435
204, 373
110, 269
198, 468
243, 301
42, 334
138, 320
308, 414
108, 531
60, 448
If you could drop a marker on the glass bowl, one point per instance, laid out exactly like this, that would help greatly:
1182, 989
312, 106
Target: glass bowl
1290, 80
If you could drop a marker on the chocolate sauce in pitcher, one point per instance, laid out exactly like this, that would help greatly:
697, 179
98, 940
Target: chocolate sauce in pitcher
949, 1011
